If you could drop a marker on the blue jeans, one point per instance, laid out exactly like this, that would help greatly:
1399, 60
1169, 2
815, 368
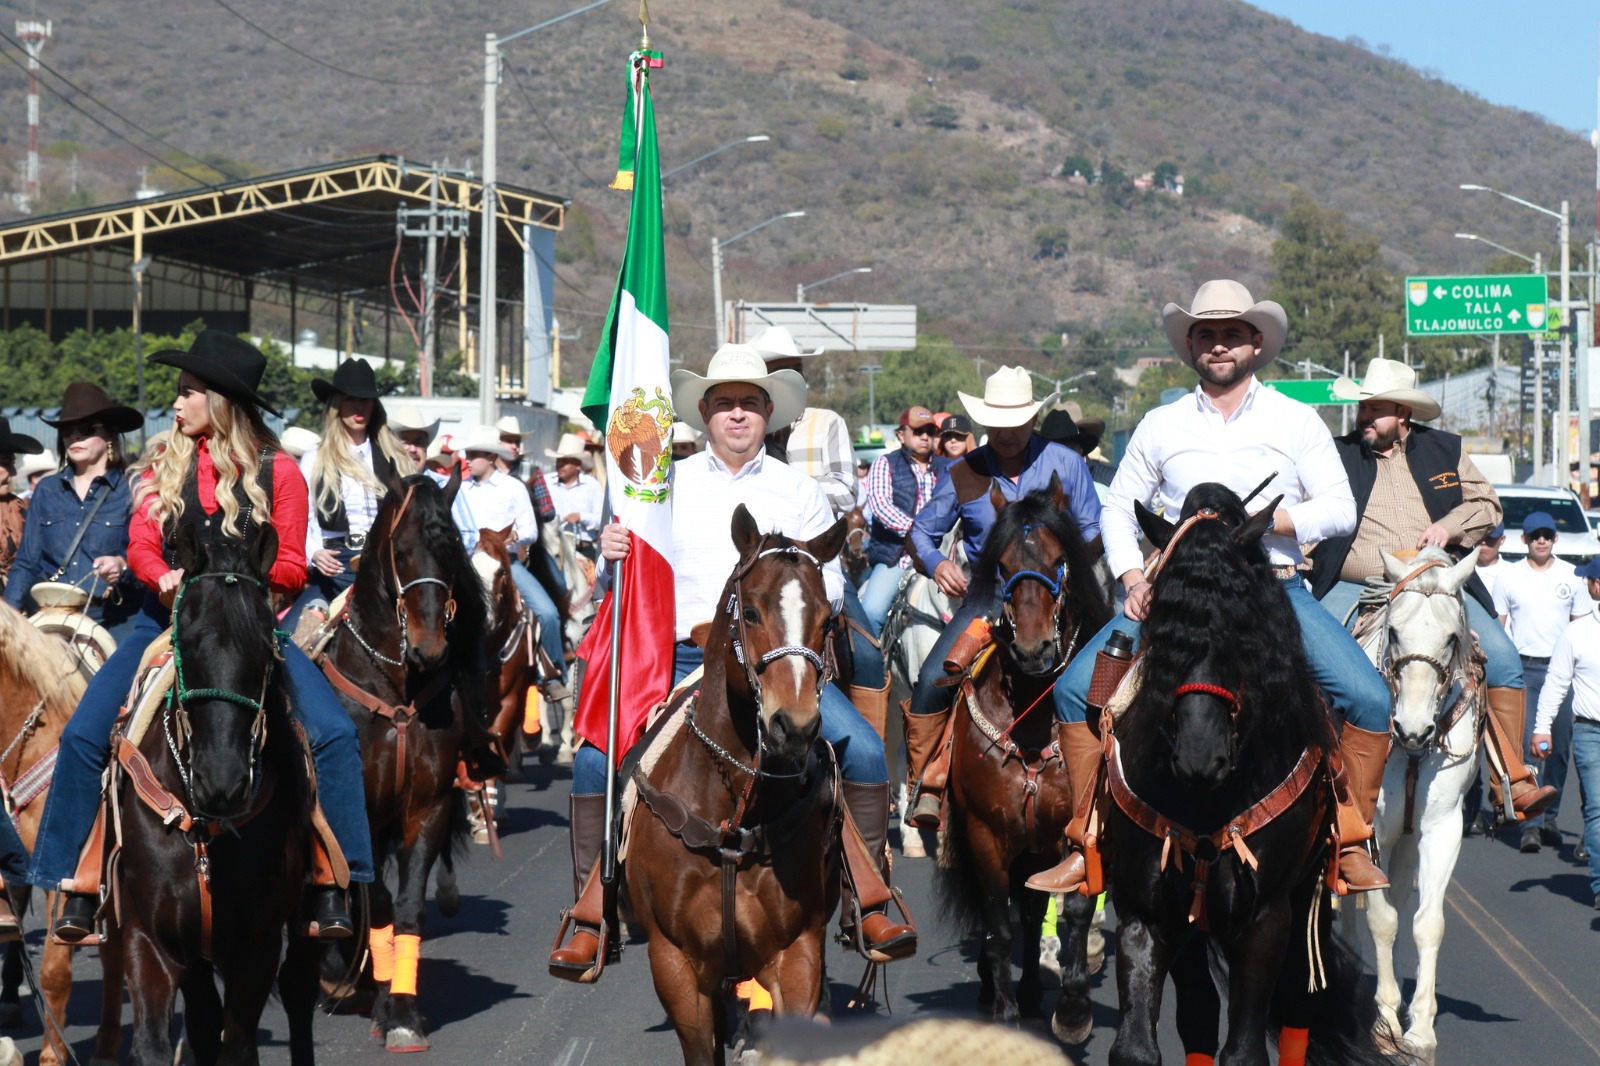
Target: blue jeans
1586, 757
857, 744
927, 697
320, 586
537, 600
866, 658
877, 594
1341, 669
74, 797
1552, 766
1504, 668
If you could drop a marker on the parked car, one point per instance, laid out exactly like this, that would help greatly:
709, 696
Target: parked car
1575, 540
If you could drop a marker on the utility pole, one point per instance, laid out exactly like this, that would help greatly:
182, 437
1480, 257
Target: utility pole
33, 34
430, 224
488, 352
872, 373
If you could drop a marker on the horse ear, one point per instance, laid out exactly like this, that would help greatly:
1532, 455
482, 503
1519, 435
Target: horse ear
506, 536
1157, 529
1257, 525
745, 531
191, 556
453, 485
826, 546
1462, 572
264, 549
997, 499
1058, 497
1394, 569
394, 484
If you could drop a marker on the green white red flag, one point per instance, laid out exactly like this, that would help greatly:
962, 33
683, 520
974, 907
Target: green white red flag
629, 394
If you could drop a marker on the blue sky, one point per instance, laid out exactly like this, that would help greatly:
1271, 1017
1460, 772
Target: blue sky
1538, 55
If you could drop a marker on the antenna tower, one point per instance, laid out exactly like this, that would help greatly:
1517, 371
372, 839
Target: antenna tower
33, 34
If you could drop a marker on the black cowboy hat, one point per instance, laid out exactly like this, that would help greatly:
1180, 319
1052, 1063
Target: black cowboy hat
1059, 427
224, 362
84, 401
354, 378
17, 443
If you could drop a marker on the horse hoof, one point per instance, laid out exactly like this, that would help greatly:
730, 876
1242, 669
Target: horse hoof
403, 1039
1096, 962
911, 843
1072, 1034
10, 1015
449, 899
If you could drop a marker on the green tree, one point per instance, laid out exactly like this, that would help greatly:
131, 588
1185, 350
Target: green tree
1152, 383
1332, 283
929, 375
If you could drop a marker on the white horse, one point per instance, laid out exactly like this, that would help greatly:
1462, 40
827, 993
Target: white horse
1419, 640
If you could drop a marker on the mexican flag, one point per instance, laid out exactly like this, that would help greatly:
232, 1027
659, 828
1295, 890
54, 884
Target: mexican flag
629, 394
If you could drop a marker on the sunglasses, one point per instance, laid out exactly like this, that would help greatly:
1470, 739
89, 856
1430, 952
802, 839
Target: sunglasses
1542, 534
85, 429
923, 431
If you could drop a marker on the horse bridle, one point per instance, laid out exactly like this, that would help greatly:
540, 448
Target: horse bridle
401, 588
1056, 586
1445, 694
181, 693
1231, 698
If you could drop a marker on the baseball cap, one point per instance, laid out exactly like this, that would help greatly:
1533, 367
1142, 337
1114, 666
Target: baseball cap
1590, 569
955, 424
1497, 532
1539, 520
917, 416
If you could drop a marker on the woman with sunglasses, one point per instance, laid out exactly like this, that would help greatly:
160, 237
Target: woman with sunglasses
76, 531
222, 473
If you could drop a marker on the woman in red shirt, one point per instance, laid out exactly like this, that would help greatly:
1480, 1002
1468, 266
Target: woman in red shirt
220, 471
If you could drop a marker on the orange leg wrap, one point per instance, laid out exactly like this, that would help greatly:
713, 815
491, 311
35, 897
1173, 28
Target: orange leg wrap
1292, 1046
381, 940
530, 713
407, 949
756, 997
1194, 1058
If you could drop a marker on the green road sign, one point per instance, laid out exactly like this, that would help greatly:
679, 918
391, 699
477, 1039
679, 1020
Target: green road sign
1480, 303
1313, 392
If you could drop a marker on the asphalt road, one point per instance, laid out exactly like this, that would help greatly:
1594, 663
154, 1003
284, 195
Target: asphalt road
1518, 976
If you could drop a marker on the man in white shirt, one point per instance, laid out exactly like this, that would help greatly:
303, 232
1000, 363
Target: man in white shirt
734, 402
1535, 599
1490, 564
1575, 666
577, 496
1234, 430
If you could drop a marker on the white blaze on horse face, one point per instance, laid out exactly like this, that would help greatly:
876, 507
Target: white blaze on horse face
488, 568
792, 608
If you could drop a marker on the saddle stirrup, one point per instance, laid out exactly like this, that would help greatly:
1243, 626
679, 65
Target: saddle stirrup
863, 914
81, 896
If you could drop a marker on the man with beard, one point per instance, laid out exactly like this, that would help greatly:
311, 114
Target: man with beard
1234, 430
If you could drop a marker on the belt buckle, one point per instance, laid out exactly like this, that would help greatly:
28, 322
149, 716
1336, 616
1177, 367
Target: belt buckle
355, 541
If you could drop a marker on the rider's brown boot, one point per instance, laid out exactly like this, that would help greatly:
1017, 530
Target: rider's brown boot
865, 836
1081, 753
924, 748
1363, 755
583, 958
1506, 719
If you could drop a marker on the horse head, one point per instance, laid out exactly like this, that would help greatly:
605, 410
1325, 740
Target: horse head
225, 654
1426, 637
1031, 568
491, 560
778, 617
415, 541
1205, 726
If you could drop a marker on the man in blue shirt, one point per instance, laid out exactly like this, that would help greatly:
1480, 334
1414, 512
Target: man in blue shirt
1018, 462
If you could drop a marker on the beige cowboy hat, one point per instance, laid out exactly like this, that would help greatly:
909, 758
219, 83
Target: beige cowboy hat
739, 362
570, 446
1390, 380
484, 439
1007, 400
297, 440
684, 434
44, 462
776, 342
407, 419
1224, 300
509, 425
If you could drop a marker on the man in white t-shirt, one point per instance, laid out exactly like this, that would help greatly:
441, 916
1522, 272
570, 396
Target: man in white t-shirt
1535, 599
1490, 564
1575, 677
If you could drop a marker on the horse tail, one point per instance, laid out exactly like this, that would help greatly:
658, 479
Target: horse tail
961, 898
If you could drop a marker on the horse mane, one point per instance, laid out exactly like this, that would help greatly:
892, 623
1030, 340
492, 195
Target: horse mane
33, 659
1086, 604
1216, 602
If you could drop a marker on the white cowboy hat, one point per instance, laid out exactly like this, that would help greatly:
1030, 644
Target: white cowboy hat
408, 418
739, 362
1225, 300
444, 444
297, 440
484, 439
1390, 380
776, 342
570, 447
1007, 400
684, 434
44, 462
509, 425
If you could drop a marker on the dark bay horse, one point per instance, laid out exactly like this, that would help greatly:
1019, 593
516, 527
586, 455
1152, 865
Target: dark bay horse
1008, 796
407, 660
512, 645
746, 771
209, 885
1221, 809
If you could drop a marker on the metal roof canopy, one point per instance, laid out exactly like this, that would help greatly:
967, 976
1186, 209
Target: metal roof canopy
325, 231
832, 327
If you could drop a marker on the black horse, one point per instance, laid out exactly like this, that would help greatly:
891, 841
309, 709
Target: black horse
1227, 716
209, 889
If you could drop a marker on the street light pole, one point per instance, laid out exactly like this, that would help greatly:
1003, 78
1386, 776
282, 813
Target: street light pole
754, 138
872, 371
716, 267
138, 267
801, 290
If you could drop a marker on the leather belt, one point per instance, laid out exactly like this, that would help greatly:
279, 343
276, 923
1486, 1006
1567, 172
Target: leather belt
354, 541
1542, 660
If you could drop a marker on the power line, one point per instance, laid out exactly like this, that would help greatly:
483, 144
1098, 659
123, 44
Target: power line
269, 35
539, 115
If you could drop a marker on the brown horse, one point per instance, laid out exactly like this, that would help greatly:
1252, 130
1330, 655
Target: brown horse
745, 787
406, 659
512, 644
1008, 794
40, 685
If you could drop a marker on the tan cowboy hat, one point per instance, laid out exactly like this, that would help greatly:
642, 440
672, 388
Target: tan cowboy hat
1224, 300
1007, 400
1390, 380
509, 425
776, 342
684, 434
408, 418
739, 362
297, 440
570, 447
44, 462
484, 439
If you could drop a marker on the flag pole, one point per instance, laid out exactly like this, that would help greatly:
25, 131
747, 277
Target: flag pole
608, 852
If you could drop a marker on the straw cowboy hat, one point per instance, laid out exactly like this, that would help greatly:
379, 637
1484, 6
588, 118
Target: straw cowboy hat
739, 362
1227, 300
41, 462
776, 342
407, 419
1391, 381
1007, 400
570, 446
297, 440
444, 446
684, 434
484, 439
509, 426
84, 401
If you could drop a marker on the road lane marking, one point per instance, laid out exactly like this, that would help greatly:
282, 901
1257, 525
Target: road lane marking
576, 1053
1571, 1010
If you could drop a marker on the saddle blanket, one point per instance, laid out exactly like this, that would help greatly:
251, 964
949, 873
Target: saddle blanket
156, 676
